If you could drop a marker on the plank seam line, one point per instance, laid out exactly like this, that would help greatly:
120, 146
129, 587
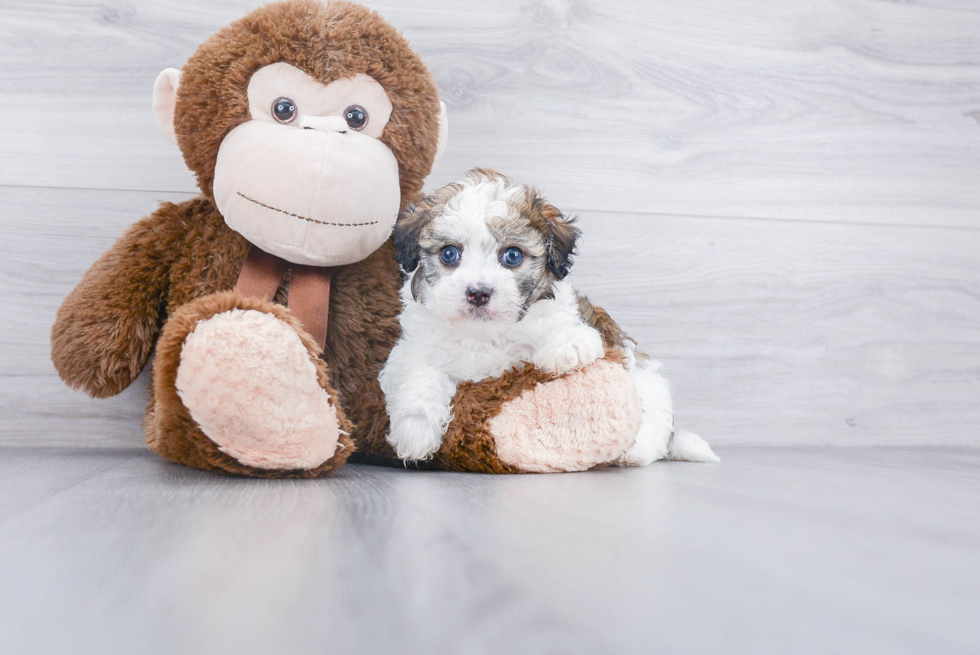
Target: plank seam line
812, 221
578, 210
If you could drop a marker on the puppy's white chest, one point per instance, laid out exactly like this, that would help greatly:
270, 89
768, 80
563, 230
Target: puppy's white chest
477, 357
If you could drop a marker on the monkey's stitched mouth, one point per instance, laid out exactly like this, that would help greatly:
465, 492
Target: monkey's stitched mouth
305, 218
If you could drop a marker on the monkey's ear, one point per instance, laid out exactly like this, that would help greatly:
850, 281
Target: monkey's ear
408, 231
165, 101
443, 131
560, 241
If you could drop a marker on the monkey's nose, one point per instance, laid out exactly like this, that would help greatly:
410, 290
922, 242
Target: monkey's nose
323, 123
478, 295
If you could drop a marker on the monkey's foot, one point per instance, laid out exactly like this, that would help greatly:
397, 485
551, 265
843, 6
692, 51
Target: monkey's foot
250, 380
249, 383
528, 421
581, 420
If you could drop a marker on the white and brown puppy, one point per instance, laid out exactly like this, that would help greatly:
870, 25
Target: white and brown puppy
485, 259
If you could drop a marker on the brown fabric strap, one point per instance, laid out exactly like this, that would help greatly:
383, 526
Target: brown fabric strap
261, 275
309, 288
309, 298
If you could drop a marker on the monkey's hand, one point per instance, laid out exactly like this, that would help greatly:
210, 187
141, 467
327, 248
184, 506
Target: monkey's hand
570, 349
106, 327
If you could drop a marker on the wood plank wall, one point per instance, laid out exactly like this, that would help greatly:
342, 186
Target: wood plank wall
781, 200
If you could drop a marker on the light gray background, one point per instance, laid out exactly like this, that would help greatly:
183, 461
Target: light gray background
781, 201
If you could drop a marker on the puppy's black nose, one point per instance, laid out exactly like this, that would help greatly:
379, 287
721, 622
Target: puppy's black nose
479, 295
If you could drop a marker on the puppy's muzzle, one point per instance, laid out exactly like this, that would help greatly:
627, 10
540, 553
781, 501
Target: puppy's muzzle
478, 295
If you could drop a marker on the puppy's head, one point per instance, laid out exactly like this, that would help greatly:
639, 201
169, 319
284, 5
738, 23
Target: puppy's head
484, 248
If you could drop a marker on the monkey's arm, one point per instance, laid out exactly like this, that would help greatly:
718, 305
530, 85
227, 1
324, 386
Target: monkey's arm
106, 328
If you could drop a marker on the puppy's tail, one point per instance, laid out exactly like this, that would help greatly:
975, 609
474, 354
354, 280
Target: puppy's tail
688, 447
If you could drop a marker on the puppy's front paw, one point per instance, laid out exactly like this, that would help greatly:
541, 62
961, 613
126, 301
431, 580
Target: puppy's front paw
415, 436
569, 352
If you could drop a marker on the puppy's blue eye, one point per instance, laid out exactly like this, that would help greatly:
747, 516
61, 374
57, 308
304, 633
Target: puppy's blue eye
449, 255
512, 257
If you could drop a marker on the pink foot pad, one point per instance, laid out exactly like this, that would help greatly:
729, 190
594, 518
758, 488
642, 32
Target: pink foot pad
250, 384
585, 418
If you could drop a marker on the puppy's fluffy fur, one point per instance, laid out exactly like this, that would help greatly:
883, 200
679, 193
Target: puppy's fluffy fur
474, 309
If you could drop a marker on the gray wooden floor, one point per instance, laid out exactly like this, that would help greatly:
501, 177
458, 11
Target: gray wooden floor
781, 201
776, 550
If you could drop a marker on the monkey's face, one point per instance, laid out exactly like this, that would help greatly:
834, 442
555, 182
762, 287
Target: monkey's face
309, 124
307, 178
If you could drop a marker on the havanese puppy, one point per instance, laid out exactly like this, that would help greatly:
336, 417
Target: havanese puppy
485, 261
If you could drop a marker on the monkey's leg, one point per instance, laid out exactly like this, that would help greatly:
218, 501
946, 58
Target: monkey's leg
528, 421
238, 387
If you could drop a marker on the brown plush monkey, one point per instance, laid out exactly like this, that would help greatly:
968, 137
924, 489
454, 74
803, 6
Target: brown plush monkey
272, 298
308, 126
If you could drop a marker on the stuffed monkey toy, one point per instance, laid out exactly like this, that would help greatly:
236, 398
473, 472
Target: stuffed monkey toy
271, 300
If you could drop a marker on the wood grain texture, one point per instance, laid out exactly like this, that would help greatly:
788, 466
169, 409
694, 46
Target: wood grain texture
843, 110
773, 551
799, 332
783, 332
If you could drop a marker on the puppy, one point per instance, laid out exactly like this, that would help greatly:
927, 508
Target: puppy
485, 260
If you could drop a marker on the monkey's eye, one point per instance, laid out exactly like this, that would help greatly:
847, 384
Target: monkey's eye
356, 117
449, 255
512, 257
284, 110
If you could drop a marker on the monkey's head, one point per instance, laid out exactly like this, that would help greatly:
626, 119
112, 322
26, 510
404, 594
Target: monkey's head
309, 125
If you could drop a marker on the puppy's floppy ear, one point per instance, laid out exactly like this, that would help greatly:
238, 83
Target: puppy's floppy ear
408, 231
561, 236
